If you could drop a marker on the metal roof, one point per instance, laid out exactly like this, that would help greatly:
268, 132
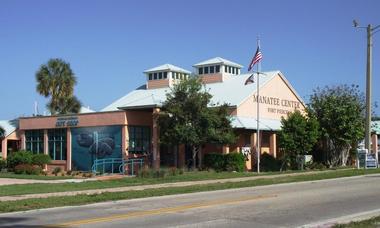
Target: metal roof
167, 67
84, 109
9, 126
251, 123
232, 91
218, 60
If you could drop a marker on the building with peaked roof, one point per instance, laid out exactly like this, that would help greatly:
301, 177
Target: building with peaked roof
10, 141
128, 128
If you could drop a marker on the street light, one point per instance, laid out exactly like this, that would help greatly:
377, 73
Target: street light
370, 31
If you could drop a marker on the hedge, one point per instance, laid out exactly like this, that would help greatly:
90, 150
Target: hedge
225, 162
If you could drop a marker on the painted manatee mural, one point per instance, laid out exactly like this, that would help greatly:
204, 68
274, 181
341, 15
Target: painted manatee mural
92, 143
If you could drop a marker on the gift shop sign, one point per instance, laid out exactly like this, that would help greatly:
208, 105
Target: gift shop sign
71, 121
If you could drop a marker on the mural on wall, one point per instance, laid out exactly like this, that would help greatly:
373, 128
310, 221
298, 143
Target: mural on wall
92, 143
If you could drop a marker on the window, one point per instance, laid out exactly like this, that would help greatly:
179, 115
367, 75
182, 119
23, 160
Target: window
139, 139
34, 141
200, 70
176, 75
211, 69
160, 75
229, 70
206, 70
233, 70
155, 76
165, 75
57, 144
173, 75
237, 71
217, 69
226, 69
150, 76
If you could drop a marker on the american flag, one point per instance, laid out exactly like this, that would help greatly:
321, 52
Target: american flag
258, 56
249, 80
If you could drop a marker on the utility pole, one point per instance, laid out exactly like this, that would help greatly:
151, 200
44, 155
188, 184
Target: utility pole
370, 31
368, 91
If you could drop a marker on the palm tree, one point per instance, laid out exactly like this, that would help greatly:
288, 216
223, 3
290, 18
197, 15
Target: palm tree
57, 80
66, 105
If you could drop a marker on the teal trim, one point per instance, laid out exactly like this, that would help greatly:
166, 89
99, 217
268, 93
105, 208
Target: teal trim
109, 165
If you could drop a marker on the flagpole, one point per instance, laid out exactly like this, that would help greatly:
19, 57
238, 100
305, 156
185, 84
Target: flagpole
258, 110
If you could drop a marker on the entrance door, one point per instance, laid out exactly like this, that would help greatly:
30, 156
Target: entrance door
13, 146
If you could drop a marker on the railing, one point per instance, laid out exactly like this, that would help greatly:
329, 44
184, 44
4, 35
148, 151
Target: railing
131, 165
112, 165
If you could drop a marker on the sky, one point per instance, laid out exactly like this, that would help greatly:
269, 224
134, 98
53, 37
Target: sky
110, 43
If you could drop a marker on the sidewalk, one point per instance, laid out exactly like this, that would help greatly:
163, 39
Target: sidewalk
151, 186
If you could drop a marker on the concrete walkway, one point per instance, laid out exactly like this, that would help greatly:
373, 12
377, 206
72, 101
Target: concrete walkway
152, 186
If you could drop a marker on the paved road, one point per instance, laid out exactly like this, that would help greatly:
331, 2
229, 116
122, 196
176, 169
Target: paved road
287, 205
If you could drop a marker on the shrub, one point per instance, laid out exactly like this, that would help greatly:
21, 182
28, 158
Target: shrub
173, 171
235, 162
215, 161
225, 162
317, 165
3, 164
162, 173
41, 159
56, 170
269, 163
144, 172
18, 158
27, 169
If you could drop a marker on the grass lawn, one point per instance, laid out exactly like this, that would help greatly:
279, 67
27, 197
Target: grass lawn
8, 190
28, 204
33, 177
369, 223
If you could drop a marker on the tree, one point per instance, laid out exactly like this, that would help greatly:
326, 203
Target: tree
2, 132
187, 118
56, 80
340, 113
298, 134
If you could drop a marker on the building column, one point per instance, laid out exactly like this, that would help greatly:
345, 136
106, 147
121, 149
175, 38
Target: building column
4, 148
124, 140
46, 145
22, 136
155, 145
226, 150
68, 148
273, 144
253, 140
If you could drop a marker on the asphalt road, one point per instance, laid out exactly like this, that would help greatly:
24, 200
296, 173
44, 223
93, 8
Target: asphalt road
286, 205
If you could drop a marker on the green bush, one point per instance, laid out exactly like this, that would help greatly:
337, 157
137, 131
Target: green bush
269, 163
3, 164
41, 159
235, 162
27, 169
317, 166
215, 161
18, 158
225, 162
56, 170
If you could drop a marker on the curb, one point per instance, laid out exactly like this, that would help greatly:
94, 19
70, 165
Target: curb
344, 219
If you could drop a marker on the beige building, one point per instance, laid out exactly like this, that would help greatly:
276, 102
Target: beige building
127, 128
